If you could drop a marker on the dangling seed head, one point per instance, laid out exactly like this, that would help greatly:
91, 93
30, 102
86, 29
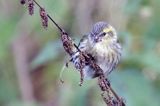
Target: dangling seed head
31, 7
22, 2
44, 17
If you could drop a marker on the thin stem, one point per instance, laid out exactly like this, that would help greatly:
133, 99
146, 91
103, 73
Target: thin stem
37, 4
61, 30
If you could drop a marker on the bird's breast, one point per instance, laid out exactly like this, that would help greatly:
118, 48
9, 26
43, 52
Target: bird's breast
104, 56
101, 51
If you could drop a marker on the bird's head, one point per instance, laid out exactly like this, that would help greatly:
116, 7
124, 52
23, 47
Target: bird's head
102, 32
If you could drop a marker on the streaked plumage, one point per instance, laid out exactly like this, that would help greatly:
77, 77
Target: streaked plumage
102, 44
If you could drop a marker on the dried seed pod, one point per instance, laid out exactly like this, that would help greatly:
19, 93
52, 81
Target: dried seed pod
44, 17
31, 7
22, 2
77, 56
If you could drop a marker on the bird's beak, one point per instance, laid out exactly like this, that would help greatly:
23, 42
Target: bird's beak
96, 38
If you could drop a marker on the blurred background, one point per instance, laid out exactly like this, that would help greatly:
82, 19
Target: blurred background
32, 57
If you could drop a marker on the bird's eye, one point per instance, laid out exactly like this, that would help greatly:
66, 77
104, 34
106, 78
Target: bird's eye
104, 33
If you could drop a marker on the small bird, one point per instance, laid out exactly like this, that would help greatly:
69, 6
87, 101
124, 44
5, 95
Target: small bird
102, 44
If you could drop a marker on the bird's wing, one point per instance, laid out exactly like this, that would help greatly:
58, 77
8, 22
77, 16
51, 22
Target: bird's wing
83, 44
84, 37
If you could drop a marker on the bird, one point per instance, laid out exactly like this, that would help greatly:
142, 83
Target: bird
102, 44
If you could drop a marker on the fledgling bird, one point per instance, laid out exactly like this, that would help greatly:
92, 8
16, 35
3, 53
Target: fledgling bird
103, 45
